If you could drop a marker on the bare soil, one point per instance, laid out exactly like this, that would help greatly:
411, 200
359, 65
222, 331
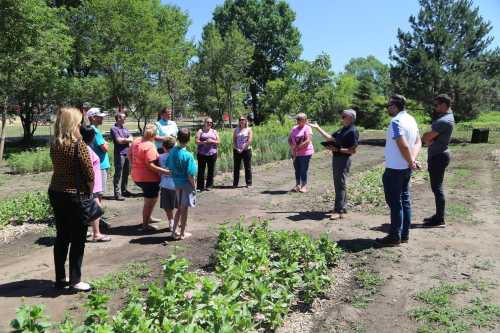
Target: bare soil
457, 253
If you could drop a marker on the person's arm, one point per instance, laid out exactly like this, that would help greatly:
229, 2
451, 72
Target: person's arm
416, 148
250, 139
192, 181
405, 151
217, 140
323, 133
351, 144
429, 137
307, 141
197, 138
191, 171
118, 139
155, 168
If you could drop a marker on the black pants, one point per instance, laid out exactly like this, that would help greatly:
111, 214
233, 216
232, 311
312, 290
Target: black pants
340, 165
246, 155
70, 230
122, 170
205, 162
437, 165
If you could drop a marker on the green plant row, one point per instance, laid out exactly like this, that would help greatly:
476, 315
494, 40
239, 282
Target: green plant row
258, 275
25, 208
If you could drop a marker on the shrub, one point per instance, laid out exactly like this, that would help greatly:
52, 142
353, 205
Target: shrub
28, 207
31, 161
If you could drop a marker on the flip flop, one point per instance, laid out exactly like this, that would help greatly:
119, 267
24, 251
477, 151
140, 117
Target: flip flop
154, 220
101, 239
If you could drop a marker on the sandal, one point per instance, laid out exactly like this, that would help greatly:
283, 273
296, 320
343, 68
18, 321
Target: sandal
154, 220
101, 239
295, 189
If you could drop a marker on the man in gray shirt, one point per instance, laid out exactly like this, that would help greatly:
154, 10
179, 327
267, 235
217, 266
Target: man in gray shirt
437, 139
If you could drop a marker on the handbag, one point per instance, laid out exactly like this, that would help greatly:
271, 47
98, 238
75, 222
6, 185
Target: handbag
89, 209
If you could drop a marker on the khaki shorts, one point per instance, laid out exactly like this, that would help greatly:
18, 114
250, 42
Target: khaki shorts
186, 196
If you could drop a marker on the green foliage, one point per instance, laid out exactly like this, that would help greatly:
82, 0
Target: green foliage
268, 26
31, 161
367, 189
25, 208
370, 107
447, 52
123, 279
307, 86
258, 274
30, 319
221, 83
439, 314
371, 66
34, 49
370, 283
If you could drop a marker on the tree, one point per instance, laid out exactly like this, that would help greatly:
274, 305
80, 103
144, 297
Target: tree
221, 82
444, 53
307, 86
370, 114
34, 50
268, 26
380, 73
346, 86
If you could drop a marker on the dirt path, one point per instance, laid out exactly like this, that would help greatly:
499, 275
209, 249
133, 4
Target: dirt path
26, 267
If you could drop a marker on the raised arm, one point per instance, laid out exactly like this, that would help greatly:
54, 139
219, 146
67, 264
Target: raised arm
321, 131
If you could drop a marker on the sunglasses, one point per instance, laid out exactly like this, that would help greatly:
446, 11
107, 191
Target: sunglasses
242, 119
209, 122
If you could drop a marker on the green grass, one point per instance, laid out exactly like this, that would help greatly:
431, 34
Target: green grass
439, 314
123, 279
30, 207
484, 265
369, 283
31, 161
459, 212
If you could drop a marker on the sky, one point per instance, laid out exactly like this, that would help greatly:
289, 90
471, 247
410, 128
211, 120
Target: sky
343, 29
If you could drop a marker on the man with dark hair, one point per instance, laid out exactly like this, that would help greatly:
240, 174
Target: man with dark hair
437, 140
122, 140
401, 150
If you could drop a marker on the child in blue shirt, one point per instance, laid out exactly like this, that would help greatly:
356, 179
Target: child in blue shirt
183, 169
167, 185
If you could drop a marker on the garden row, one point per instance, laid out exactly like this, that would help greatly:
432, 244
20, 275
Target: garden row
258, 276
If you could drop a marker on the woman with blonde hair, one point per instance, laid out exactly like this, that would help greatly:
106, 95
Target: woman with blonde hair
207, 140
146, 172
73, 175
242, 144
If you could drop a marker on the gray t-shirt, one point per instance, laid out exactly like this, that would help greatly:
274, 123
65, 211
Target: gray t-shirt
444, 126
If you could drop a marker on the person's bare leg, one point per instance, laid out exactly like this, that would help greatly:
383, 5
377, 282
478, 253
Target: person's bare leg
184, 216
176, 223
95, 229
149, 205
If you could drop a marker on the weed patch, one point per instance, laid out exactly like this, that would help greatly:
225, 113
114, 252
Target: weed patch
258, 275
123, 279
369, 282
440, 315
28, 207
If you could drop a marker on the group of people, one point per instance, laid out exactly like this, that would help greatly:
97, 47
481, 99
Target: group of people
162, 167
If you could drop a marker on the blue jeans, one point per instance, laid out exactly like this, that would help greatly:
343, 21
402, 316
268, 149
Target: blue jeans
301, 165
397, 195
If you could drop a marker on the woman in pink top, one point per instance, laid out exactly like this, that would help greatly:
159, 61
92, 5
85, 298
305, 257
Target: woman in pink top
88, 135
300, 141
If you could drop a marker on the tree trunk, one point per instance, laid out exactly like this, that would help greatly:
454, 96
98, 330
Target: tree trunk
3, 131
255, 103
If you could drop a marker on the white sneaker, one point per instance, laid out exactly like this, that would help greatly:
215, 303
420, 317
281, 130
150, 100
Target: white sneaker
81, 286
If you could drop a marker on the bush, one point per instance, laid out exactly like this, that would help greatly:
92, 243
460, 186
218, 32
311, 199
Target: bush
31, 161
28, 207
258, 275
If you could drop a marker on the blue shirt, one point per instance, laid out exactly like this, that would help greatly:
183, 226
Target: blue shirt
181, 164
96, 147
166, 180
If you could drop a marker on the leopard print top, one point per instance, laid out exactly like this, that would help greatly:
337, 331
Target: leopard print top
63, 178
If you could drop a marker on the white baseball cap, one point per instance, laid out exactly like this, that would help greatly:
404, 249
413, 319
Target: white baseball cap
95, 112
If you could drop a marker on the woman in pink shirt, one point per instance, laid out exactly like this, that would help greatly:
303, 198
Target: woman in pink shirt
300, 141
88, 135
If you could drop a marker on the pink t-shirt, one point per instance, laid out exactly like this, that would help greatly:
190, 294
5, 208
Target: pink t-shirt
298, 135
96, 166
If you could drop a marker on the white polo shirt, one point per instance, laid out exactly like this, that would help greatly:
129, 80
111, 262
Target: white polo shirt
403, 124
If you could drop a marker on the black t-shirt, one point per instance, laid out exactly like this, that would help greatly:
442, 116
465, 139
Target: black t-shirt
346, 137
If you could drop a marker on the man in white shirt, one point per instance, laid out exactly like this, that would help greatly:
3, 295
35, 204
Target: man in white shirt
165, 127
401, 150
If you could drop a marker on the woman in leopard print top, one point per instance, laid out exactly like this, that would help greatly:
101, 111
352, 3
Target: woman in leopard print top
71, 230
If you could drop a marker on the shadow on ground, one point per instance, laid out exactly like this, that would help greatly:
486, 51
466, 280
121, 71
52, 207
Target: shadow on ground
31, 288
303, 216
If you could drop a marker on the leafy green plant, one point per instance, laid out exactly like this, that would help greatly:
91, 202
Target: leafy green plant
31, 161
27, 207
258, 274
30, 319
369, 282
